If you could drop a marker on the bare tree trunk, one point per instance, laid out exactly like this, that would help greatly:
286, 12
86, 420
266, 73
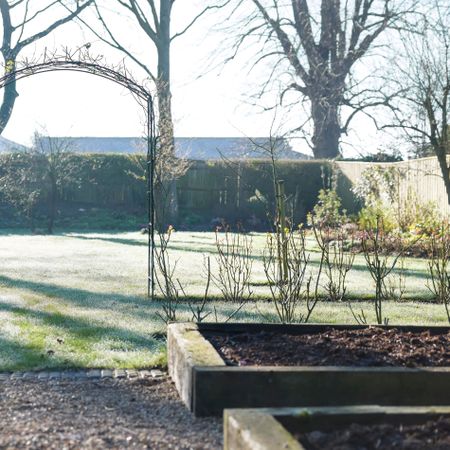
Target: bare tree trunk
165, 123
445, 171
9, 92
327, 129
52, 205
9, 98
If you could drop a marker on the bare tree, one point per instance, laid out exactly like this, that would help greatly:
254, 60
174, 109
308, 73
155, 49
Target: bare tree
314, 48
423, 111
21, 21
60, 170
21, 183
153, 19
37, 176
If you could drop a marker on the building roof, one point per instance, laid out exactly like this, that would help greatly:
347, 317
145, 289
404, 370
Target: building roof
7, 146
193, 148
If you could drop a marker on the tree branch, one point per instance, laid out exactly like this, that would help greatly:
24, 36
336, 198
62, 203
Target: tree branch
20, 45
198, 16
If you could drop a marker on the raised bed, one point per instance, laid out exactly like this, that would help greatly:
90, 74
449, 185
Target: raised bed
207, 385
343, 427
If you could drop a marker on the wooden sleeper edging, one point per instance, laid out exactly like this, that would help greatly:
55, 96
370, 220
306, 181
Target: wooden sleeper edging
272, 428
207, 386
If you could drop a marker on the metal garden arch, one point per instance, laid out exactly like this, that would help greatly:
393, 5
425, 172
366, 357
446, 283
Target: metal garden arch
85, 63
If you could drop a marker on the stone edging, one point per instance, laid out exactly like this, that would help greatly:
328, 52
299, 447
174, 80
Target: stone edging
86, 374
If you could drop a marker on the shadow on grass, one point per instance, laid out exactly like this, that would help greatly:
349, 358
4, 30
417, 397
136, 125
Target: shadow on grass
62, 232
189, 247
140, 307
132, 242
23, 356
178, 246
136, 242
357, 267
81, 336
81, 328
80, 297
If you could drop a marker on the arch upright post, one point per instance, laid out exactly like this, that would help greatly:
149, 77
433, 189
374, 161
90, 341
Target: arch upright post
151, 197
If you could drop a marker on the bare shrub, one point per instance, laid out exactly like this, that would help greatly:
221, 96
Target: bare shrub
337, 263
395, 283
198, 310
439, 268
234, 261
380, 261
360, 317
172, 290
168, 286
291, 286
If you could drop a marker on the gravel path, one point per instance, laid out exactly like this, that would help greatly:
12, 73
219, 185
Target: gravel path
100, 414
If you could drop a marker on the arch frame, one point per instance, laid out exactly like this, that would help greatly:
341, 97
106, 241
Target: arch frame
81, 61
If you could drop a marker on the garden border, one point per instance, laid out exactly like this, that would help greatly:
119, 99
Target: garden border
207, 386
268, 429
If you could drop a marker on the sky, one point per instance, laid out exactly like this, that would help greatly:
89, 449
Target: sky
209, 99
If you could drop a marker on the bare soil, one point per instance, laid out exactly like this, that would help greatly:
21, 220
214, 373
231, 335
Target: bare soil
367, 347
100, 414
432, 435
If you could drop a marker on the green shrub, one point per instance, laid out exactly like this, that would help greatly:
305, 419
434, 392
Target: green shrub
327, 211
370, 216
425, 219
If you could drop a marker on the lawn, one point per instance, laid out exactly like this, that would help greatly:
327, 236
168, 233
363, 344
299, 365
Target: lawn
79, 300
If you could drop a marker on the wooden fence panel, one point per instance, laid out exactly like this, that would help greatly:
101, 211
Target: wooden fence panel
420, 180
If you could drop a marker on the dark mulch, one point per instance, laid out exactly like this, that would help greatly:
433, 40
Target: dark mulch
428, 436
112, 414
366, 347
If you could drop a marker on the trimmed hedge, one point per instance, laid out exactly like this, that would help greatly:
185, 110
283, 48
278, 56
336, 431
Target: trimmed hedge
238, 190
233, 190
106, 180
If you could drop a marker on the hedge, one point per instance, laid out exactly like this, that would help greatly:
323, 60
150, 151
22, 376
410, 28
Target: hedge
233, 190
